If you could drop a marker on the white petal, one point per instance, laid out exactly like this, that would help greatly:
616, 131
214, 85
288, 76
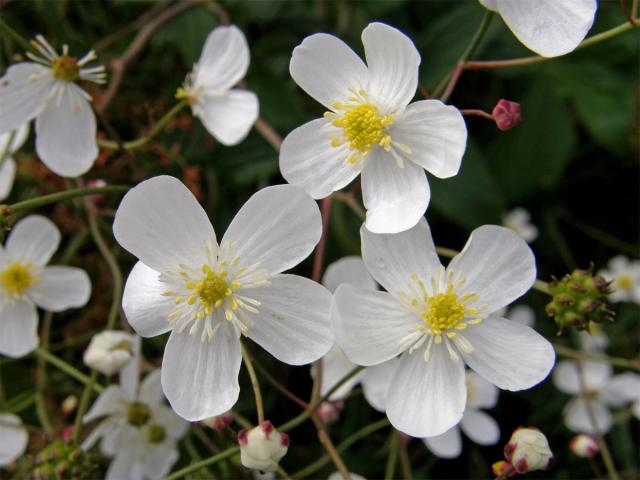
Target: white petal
308, 160
228, 117
482, 394
158, 461
395, 198
522, 314
335, 365
151, 389
326, 68
224, 59
20, 135
567, 380
61, 288
200, 379
497, 264
130, 374
143, 303
369, 325
393, 259
24, 92
426, 399
349, 270
124, 465
18, 327
13, 438
622, 389
549, 27
577, 417
507, 354
293, 324
7, 177
490, 4
445, 445
66, 134
480, 427
393, 63
34, 238
376, 381
161, 222
436, 135
109, 402
175, 426
277, 228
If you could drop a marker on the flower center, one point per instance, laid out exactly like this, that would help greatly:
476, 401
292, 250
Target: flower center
443, 311
17, 278
156, 433
625, 282
211, 290
66, 68
138, 414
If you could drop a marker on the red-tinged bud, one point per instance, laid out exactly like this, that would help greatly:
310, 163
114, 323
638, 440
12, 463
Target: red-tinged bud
506, 114
329, 412
584, 446
262, 447
527, 450
98, 198
503, 468
220, 422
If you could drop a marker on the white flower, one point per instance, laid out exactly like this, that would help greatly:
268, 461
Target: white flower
262, 447
521, 313
528, 450
10, 142
625, 275
602, 389
437, 320
338, 476
227, 113
594, 340
26, 283
13, 438
476, 425
45, 89
518, 220
109, 351
370, 127
208, 294
548, 27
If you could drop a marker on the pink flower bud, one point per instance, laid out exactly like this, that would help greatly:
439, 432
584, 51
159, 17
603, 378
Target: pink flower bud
262, 447
527, 450
329, 412
97, 198
584, 446
506, 114
220, 422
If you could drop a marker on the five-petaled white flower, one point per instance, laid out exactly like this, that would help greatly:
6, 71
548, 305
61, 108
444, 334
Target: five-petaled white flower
26, 282
227, 113
548, 27
370, 127
476, 425
109, 351
519, 220
625, 275
13, 438
208, 294
9, 143
603, 390
46, 90
438, 319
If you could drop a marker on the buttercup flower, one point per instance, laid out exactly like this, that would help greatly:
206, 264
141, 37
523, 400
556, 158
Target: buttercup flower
227, 113
548, 27
528, 450
109, 351
519, 220
603, 391
370, 127
262, 447
26, 283
438, 319
209, 294
10, 142
46, 90
625, 275
476, 425
520, 313
13, 438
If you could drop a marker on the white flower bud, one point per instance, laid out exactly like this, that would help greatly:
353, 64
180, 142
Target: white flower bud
109, 351
528, 450
584, 446
262, 447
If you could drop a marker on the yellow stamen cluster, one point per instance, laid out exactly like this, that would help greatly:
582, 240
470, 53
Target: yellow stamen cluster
624, 282
211, 291
66, 68
17, 278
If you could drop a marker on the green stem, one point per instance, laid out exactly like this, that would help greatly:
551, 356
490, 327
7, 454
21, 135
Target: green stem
17, 37
7, 148
390, 470
254, 383
84, 405
580, 354
204, 463
41, 375
67, 368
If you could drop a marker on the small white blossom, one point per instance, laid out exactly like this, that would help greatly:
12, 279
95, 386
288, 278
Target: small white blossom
227, 113
26, 283
438, 319
46, 90
548, 27
262, 447
584, 446
10, 142
109, 351
625, 277
519, 220
594, 340
13, 438
370, 127
208, 294
528, 450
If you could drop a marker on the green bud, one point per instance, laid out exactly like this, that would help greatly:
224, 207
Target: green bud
60, 460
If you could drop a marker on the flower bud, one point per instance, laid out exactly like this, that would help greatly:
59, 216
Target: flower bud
262, 447
584, 446
503, 468
329, 412
109, 351
69, 404
220, 422
506, 114
528, 450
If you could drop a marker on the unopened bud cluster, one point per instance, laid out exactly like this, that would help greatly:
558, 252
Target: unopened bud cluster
528, 450
579, 298
62, 460
262, 447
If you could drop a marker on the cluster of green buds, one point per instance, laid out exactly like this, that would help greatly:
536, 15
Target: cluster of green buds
62, 460
578, 299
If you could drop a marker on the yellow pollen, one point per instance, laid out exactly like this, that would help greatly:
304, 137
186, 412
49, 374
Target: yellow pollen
17, 278
363, 127
66, 68
625, 282
212, 290
444, 311
186, 93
